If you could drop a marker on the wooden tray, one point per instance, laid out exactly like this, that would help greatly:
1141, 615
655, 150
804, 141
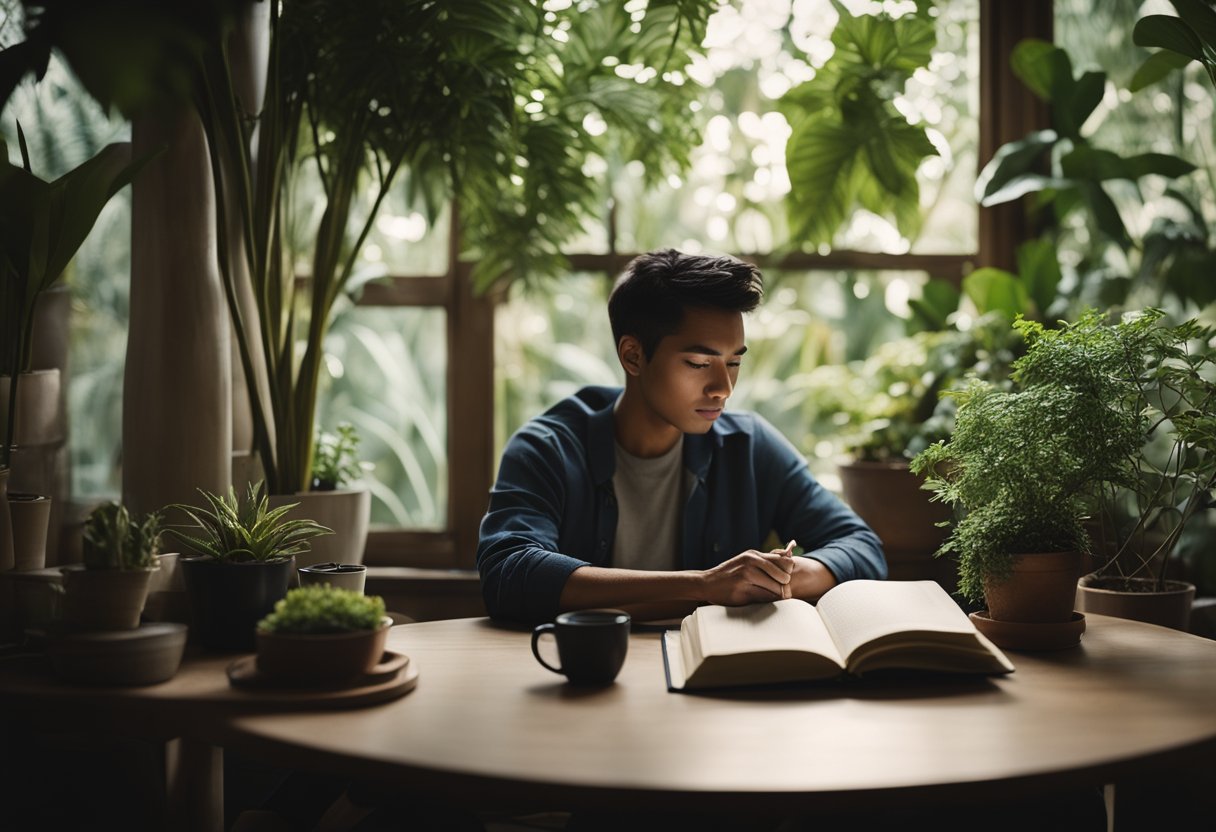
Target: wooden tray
396, 677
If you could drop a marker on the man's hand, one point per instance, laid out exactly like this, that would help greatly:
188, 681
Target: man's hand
749, 577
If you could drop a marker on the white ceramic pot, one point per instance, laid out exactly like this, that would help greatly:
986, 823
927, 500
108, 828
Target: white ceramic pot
30, 516
346, 512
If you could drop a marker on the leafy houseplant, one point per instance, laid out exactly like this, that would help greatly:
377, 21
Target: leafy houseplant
334, 458
113, 539
479, 101
42, 225
248, 552
1020, 464
245, 531
1168, 380
119, 558
321, 633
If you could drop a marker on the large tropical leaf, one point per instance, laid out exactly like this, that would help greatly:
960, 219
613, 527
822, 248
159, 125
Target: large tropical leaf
848, 146
1168, 33
996, 290
1039, 272
1011, 162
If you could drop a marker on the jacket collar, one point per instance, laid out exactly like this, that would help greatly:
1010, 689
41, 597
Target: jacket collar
698, 448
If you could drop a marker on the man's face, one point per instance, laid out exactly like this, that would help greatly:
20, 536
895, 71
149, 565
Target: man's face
693, 371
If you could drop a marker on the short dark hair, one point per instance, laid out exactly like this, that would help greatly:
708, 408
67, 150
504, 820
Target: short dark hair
650, 296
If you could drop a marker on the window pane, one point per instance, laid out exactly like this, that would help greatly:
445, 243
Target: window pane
388, 377
63, 127
547, 345
809, 325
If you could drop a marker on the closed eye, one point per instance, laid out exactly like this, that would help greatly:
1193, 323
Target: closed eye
696, 366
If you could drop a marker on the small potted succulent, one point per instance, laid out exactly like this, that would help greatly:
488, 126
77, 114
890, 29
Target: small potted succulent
243, 564
322, 634
120, 555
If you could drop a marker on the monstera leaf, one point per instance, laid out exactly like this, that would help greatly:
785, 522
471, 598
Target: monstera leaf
849, 147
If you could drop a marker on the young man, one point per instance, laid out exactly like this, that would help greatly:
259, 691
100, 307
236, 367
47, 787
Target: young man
655, 499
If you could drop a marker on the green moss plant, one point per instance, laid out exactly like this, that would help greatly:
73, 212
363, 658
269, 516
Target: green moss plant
324, 609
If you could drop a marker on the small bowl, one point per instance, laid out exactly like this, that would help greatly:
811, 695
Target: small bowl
146, 655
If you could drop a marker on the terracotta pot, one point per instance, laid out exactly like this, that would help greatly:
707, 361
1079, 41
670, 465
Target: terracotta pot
31, 515
1040, 589
346, 512
889, 497
1137, 599
322, 657
227, 600
103, 599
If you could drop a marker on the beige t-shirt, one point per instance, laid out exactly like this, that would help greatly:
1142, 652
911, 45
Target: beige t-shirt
650, 496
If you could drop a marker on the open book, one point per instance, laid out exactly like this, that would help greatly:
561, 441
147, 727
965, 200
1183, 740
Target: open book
857, 627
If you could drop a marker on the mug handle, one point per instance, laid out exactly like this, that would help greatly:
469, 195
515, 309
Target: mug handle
536, 634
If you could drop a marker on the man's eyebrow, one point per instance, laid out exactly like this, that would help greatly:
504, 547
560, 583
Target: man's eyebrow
701, 349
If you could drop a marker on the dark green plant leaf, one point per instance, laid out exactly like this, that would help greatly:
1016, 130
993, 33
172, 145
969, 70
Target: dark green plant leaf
1010, 162
1097, 165
1156, 67
996, 290
1074, 103
1031, 62
1200, 17
1168, 33
938, 301
1039, 271
1105, 214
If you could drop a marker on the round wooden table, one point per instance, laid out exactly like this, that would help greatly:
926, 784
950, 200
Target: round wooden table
487, 723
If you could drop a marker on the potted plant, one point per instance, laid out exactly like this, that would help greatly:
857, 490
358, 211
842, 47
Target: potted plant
899, 410
1017, 470
322, 633
332, 500
1167, 380
120, 555
42, 225
245, 556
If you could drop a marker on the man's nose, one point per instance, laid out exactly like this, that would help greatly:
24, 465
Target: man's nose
719, 385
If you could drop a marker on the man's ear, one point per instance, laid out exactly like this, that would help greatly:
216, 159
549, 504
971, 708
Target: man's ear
632, 358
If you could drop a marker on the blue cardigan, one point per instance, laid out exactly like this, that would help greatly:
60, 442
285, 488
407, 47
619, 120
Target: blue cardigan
553, 510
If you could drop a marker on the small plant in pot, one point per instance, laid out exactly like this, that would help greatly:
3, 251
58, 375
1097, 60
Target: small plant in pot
1167, 377
334, 499
322, 634
1017, 471
120, 552
335, 460
244, 565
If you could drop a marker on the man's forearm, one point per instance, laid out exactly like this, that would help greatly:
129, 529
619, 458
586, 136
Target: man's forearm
642, 593
810, 579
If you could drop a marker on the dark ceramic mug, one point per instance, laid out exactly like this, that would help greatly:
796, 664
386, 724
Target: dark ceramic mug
591, 645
